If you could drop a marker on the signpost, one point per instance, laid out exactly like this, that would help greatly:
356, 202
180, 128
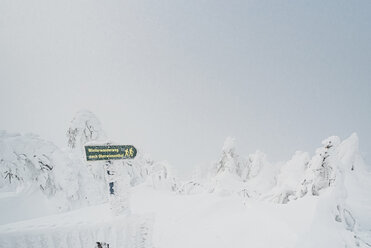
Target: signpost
109, 153
118, 196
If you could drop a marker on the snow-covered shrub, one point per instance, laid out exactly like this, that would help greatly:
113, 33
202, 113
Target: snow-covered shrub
139, 168
194, 185
143, 169
29, 163
190, 187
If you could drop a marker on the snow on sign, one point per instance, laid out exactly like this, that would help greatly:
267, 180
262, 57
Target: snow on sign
110, 152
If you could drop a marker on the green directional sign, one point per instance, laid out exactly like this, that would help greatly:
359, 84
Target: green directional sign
110, 152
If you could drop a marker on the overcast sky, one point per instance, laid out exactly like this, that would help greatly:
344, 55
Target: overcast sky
175, 78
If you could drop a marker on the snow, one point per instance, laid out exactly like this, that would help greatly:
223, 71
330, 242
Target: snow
79, 228
52, 197
23, 207
200, 220
208, 220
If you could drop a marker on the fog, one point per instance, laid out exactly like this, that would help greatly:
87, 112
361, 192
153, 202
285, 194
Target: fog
175, 78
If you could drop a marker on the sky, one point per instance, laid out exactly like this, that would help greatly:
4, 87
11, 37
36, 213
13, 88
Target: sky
175, 78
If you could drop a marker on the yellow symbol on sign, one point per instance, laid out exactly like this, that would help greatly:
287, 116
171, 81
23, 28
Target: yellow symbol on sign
129, 153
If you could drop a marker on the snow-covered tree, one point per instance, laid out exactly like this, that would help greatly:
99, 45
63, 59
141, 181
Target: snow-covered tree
257, 161
85, 128
143, 169
230, 161
29, 163
226, 176
289, 178
138, 168
321, 170
262, 175
326, 171
344, 210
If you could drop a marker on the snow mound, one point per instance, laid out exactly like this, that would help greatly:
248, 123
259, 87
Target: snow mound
80, 229
29, 164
